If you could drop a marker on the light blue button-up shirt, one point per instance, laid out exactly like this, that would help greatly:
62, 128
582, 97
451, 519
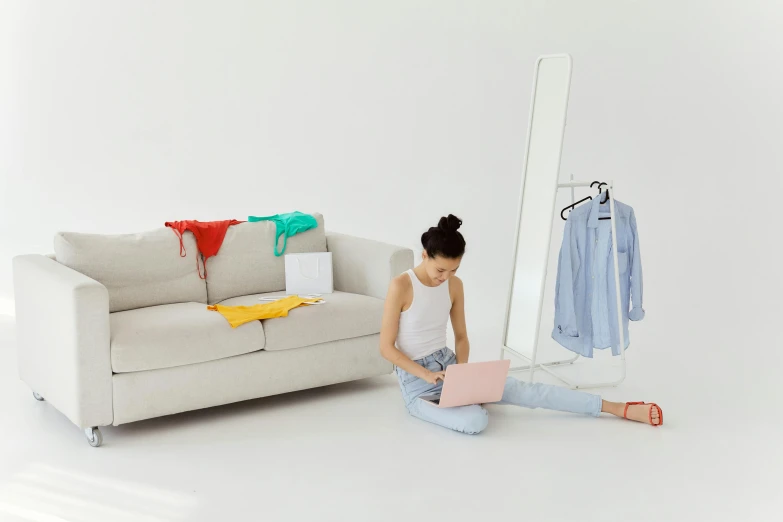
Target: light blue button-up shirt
585, 302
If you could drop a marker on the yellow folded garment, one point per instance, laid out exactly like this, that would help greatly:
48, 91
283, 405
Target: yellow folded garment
239, 315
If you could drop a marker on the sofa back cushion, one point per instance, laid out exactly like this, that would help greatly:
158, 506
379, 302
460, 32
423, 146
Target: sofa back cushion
246, 263
137, 269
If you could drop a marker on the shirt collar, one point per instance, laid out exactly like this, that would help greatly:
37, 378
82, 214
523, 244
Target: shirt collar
595, 210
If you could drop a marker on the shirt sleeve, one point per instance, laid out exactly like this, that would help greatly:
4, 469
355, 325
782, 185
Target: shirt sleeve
567, 269
637, 286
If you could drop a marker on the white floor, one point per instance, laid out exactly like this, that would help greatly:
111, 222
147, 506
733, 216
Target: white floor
350, 452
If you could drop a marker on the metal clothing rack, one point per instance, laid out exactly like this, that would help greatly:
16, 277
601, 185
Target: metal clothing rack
549, 367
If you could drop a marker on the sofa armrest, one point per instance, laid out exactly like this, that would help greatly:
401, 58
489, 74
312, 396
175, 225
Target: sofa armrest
362, 266
62, 336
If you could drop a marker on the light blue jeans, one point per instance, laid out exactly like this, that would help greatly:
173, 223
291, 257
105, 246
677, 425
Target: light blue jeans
473, 419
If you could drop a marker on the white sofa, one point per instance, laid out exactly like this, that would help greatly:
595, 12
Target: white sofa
115, 329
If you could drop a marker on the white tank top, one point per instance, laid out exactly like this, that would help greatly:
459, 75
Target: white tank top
422, 328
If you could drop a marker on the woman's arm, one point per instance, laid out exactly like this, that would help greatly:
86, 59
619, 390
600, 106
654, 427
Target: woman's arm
462, 345
391, 323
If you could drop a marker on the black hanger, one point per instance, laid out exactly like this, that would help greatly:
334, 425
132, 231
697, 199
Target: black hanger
572, 205
606, 197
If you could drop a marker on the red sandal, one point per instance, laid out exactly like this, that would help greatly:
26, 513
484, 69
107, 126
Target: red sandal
652, 404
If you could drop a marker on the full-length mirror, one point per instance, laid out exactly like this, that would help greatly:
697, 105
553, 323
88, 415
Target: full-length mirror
539, 187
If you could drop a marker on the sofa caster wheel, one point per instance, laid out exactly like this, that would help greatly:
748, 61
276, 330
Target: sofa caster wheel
37, 397
94, 437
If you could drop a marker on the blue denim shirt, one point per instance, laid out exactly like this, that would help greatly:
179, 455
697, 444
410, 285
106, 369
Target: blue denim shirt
585, 302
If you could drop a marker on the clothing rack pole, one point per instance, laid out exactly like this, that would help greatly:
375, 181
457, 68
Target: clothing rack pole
547, 367
620, 329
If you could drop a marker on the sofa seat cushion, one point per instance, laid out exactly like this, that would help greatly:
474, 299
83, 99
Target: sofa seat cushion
344, 316
175, 335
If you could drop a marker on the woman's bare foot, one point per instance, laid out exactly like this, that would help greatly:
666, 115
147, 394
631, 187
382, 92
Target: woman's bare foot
636, 412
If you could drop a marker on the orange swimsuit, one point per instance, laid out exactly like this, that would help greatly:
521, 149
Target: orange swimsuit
209, 237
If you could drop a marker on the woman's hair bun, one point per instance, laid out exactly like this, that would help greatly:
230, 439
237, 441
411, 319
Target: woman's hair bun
445, 239
450, 223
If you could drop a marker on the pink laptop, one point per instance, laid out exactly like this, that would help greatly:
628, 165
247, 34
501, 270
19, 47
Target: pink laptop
471, 383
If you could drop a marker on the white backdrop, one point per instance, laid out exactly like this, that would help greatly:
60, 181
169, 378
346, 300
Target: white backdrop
116, 117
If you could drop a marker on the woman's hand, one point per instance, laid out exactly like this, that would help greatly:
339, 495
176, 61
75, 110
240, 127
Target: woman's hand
433, 377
